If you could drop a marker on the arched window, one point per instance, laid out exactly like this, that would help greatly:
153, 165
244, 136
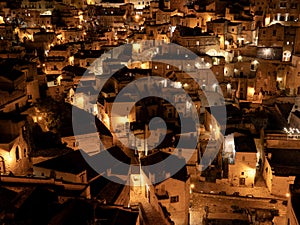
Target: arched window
17, 153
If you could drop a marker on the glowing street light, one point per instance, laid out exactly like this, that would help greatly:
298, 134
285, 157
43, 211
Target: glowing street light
137, 17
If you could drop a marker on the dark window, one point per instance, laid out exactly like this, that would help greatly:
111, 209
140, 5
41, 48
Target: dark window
52, 174
17, 153
174, 199
242, 181
242, 173
274, 32
282, 4
294, 5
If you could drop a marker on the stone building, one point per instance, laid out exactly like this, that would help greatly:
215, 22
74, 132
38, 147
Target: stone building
14, 151
173, 192
242, 169
280, 170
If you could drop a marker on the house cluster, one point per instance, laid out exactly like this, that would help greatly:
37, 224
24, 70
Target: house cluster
56, 57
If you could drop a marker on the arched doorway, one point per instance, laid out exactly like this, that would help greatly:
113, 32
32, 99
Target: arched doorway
286, 56
2, 165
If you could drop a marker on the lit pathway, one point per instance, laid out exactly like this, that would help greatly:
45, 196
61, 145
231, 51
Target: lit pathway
150, 215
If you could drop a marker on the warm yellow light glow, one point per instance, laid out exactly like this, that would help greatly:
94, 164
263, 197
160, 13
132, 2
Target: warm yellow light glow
80, 18
9, 158
287, 195
267, 52
95, 109
251, 172
59, 80
137, 17
71, 60
79, 102
192, 186
145, 65
136, 47
251, 91
267, 20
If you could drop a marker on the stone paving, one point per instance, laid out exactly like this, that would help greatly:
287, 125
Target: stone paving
151, 216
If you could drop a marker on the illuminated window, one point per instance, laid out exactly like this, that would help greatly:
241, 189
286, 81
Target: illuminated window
216, 61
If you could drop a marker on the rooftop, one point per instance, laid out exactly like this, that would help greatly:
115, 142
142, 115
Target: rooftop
244, 144
166, 167
285, 162
72, 162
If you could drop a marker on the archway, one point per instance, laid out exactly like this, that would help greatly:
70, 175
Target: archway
2, 165
286, 56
